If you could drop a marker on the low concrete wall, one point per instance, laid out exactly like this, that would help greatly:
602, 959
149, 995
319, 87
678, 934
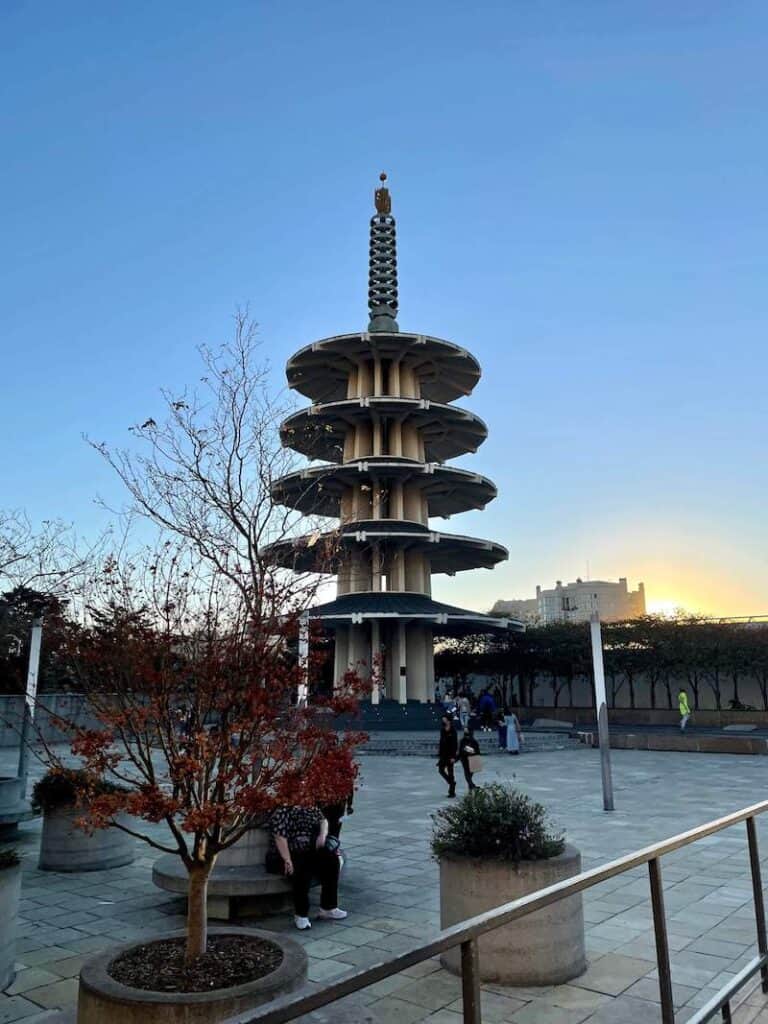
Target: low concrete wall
644, 716
684, 742
70, 706
543, 948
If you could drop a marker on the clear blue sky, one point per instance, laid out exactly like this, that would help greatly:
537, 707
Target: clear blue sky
580, 191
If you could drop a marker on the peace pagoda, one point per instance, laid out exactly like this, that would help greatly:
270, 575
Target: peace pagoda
382, 423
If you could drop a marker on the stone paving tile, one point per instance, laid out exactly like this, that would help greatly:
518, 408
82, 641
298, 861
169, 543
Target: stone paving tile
60, 993
612, 974
28, 978
363, 956
326, 970
46, 955
496, 1009
393, 898
628, 1010
391, 1010
433, 992
13, 1008
570, 997
648, 988
539, 1011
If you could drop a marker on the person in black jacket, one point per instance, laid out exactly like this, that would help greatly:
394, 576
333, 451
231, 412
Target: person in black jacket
447, 753
468, 748
333, 814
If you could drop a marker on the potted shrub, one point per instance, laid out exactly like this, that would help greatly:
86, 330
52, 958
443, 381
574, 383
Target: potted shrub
10, 888
64, 846
494, 846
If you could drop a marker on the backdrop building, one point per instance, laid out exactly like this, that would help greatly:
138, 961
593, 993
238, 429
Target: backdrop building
575, 602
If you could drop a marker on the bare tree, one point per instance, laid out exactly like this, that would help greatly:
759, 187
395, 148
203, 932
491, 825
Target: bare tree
48, 559
207, 471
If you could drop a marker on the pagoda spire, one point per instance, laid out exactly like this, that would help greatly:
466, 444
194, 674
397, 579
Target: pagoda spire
382, 264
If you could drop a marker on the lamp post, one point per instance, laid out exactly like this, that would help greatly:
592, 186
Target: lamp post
303, 689
601, 706
30, 697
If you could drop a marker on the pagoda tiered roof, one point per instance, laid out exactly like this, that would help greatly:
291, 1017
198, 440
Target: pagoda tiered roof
447, 430
317, 490
320, 371
446, 619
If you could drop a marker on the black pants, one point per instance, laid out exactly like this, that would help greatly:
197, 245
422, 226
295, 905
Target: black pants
322, 865
467, 773
446, 770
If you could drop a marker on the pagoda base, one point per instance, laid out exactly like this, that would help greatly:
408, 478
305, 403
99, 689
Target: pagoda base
398, 656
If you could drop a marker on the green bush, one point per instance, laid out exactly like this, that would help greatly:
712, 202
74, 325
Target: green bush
495, 821
8, 859
64, 789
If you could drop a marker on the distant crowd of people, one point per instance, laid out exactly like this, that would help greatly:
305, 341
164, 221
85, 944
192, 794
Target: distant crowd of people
470, 714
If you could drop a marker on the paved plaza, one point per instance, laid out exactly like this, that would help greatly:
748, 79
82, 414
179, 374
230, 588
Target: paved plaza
391, 890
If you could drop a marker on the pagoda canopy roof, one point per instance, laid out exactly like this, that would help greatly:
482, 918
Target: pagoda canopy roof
447, 552
317, 490
447, 430
320, 371
448, 620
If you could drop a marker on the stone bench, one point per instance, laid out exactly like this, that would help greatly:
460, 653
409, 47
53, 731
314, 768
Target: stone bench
13, 807
239, 886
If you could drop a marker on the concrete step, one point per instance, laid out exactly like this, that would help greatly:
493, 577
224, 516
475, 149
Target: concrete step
426, 745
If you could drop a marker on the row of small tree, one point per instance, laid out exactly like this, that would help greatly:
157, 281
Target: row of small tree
646, 661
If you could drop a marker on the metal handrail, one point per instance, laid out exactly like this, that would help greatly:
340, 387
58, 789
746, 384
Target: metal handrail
467, 933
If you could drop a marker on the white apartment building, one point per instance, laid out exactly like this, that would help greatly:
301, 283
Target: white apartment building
574, 602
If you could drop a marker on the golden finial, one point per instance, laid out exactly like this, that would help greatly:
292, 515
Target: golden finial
382, 197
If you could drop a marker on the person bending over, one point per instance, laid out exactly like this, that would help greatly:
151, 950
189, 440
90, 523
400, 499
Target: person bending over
297, 850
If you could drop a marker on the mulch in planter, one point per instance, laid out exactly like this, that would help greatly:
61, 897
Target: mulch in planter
229, 960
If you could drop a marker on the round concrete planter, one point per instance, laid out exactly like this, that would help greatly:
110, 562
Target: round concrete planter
10, 889
103, 999
543, 948
64, 847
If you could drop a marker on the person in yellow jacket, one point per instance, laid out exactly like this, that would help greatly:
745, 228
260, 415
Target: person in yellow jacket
685, 709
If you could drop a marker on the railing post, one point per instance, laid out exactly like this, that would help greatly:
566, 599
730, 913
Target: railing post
662, 945
470, 982
757, 890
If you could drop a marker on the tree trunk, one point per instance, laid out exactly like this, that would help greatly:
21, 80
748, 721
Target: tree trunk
736, 697
197, 911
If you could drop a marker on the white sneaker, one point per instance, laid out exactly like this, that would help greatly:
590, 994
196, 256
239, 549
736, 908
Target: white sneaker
333, 915
303, 923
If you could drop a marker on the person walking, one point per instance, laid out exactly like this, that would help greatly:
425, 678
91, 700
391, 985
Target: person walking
501, 728
685, 709
514, 733
487, 708
469, 747
297, 850
447, 753
464, 710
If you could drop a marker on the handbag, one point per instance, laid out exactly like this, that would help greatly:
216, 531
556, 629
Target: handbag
474, 763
